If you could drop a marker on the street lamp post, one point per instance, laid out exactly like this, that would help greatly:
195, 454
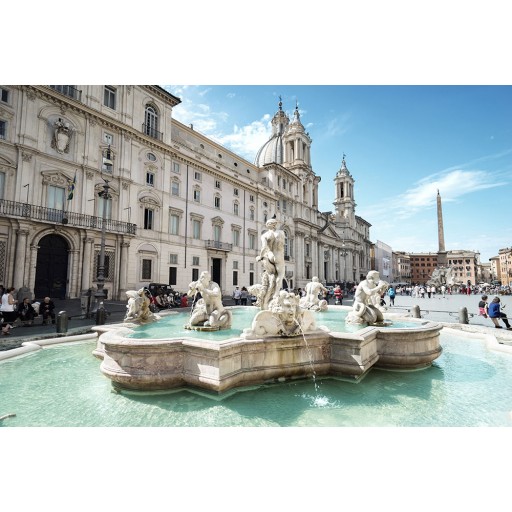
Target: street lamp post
99, 296
344, 254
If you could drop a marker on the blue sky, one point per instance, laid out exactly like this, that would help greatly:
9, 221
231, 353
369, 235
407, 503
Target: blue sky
402, 144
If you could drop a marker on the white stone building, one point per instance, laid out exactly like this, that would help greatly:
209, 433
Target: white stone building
178, 203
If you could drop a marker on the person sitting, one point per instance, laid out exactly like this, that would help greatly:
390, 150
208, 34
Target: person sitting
495, 313
47, 308
26, 312
483, 307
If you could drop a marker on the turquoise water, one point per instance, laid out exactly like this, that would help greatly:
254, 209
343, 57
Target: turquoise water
62, 385
172, 326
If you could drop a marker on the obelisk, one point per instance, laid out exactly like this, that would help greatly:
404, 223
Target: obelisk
442, 259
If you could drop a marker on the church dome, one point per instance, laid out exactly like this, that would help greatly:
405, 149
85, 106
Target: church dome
273, 150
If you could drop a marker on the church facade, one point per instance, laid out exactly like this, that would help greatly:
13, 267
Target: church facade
95, 168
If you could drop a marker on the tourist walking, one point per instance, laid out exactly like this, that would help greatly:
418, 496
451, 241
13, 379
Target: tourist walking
495, 313
338, 295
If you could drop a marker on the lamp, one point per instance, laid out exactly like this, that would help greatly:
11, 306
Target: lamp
99, 296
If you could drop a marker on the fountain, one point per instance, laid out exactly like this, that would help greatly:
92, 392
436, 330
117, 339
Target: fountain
283, 342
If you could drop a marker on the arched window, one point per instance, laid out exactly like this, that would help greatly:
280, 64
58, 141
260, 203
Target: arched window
151, 122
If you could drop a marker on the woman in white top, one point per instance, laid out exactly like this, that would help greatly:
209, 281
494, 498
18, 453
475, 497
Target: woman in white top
8, 312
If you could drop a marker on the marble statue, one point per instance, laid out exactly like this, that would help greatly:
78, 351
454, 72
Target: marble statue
272, 259
208, 312
366, 307
138, 307
311, 300
284, 317
442, 276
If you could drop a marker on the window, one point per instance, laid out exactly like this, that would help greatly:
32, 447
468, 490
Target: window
174, 224
235, 277
151, 157
4, 95
197, 176
251, 198
175, 187
236, 238
148, 218
3, 130
150, 179
251, 214
195, 260
236, 208
56, 197
108, 138
216, 201
217, 184
235, 191
173, 259
252, 241
172, 275
284, 205
176, 167
195, 274
107, 160
284, 184
197, 195
109, 97
2, 184
146, 270
196, 229
217, 233
151, 122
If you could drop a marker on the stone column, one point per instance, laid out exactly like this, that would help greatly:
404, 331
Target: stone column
123, 268
73, 291
21, 258
31, 282
87, 263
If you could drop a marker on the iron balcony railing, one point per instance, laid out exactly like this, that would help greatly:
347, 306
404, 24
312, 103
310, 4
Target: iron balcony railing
51, 215
221, 246
69, 91
152, 132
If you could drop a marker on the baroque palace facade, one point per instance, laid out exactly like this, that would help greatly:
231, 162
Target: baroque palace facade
176, 202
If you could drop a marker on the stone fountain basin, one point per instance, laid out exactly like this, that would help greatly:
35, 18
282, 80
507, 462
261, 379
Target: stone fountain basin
220, 366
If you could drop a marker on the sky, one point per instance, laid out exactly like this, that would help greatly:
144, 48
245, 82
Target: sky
402, 143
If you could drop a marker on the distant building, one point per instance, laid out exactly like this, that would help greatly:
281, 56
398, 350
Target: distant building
401, 267
505, 266
422, 266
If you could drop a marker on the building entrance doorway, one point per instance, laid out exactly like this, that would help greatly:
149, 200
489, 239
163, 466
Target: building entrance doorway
51, 267
217, 271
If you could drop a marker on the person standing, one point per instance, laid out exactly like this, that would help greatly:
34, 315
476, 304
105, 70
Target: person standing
338, 295
244, 294
237, 295
495, 312
392, 295
8, 309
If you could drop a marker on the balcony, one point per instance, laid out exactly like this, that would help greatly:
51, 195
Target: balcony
53, 216
220, 246
152, 132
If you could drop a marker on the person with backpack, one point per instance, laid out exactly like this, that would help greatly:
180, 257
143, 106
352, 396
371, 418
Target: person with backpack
391, 295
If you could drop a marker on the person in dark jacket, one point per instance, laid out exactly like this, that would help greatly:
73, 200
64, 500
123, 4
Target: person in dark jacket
47, 309
26, 312
494, 312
